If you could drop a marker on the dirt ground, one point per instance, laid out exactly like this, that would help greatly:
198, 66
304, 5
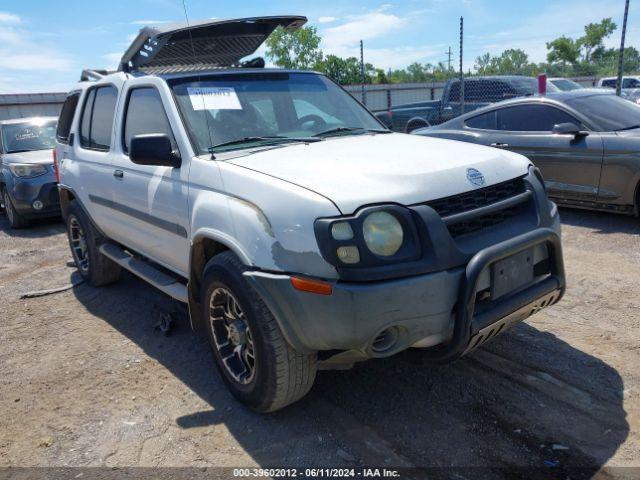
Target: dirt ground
86, 379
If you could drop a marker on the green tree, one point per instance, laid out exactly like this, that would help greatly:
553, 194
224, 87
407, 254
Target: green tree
594, 35
299, 49
510, 62
563, 50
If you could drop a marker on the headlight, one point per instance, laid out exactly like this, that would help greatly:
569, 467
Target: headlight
383, 233
376, 242
27, 170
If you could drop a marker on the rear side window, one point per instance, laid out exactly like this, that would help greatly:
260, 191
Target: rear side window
609, 83
66, 117
532, 118
97, 118
486, 121
145, 114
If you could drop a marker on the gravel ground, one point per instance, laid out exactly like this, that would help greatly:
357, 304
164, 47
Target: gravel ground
86, 379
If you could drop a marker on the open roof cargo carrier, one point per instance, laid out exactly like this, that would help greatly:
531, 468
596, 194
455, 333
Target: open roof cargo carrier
201, 45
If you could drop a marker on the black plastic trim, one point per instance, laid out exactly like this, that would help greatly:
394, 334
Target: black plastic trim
465, 323
487, 209
142, 216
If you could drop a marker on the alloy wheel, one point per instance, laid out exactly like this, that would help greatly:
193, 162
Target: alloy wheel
232, 336
78, 245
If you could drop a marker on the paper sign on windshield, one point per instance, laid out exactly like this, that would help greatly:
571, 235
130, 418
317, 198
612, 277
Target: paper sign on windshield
214, 98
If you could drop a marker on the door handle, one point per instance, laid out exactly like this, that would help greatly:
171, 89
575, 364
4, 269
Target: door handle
118, 174
500, 145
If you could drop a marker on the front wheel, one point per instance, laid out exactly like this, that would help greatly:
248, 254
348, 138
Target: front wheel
258, 365
15, 219
84, 241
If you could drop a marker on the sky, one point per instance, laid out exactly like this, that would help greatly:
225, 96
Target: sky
44, 44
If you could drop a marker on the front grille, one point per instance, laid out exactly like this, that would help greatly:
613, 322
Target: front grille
475, 199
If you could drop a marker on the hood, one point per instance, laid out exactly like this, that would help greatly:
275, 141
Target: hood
44, 157
367, 169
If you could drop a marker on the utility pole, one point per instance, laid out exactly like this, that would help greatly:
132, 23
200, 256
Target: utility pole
449, 61
364, 93
621, 57
461, 71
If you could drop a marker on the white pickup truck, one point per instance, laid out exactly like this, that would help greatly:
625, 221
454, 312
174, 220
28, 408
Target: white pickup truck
302, 234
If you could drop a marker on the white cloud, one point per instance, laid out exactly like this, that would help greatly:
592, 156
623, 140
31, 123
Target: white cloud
112, 60
28, 60
343, 40
326, 19
20, 50
371, 25
6, 17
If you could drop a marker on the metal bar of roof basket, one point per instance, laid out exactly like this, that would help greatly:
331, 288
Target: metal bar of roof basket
211, 44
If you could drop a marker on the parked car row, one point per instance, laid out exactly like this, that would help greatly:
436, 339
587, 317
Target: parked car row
300, 231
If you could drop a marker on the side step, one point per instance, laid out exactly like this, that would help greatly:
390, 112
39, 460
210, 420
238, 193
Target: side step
160, 280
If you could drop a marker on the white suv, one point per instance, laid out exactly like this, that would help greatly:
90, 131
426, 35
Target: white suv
302, 233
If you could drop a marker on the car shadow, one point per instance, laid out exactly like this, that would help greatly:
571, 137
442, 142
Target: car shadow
600, 222
40, 228
525, 400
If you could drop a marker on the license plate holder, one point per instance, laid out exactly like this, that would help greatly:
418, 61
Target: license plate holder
511, 273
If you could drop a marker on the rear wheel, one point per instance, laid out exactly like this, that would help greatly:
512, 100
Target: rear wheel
258, 365
84, 241
15, 219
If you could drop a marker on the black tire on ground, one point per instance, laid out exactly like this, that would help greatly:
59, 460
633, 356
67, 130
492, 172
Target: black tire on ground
280, 375
84, 241
15, 219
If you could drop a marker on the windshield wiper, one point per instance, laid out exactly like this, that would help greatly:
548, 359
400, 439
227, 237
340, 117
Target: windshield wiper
262, 140
350, 129
627, 128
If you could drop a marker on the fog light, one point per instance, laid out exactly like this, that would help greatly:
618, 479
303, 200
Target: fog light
37, 205
341, 231
349, 254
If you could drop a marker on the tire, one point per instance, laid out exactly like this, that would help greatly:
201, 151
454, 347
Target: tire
15, 219
275, 375
84, 241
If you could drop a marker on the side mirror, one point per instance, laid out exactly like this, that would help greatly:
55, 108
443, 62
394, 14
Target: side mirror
569, 129
153, 149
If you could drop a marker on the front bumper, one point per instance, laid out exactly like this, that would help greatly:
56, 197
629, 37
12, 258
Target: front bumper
441, 310
25, 191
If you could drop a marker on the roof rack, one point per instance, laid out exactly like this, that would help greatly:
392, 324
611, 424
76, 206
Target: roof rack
201, 45
88, 75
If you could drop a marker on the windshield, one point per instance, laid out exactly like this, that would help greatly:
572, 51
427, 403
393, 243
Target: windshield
234, 111
28, 136
608, 111
565, 85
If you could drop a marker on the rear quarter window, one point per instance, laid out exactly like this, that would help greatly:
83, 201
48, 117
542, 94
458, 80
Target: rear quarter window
66, 117
485, 121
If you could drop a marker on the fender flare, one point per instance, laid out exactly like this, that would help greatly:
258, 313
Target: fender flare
197, 265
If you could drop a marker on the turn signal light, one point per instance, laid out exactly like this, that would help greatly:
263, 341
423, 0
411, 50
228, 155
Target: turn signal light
311, 286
